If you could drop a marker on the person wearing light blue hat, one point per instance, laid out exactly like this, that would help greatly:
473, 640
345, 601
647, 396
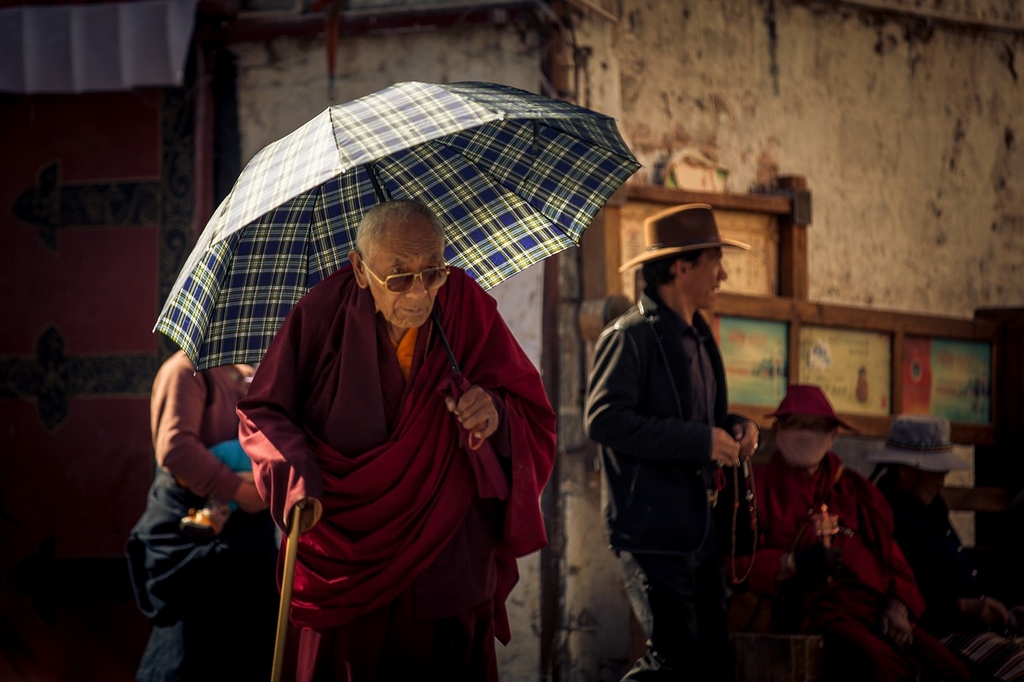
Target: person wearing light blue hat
911, 471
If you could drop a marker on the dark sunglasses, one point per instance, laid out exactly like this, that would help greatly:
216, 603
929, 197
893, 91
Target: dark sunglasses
396, 284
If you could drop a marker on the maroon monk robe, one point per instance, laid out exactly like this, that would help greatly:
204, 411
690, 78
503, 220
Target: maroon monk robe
321, 420
847, 610
785, 499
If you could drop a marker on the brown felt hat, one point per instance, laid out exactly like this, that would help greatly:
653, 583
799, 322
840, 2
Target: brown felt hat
678, 229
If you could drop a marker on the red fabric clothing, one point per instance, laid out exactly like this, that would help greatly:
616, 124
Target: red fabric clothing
786, 498
190, 412
855, 651
330, 416
847, 611
391, 643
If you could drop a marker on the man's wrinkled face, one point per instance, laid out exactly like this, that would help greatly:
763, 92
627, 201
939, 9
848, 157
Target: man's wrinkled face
411, 247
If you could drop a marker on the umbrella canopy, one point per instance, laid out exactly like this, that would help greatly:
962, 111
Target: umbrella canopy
514, 177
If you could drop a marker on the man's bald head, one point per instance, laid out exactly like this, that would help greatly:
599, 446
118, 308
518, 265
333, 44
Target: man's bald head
390, 215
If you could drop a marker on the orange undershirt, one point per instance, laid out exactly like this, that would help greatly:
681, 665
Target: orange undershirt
405, 349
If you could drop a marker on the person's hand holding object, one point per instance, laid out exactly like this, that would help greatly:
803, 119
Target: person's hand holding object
748, 436
476, 413
310, 510
725, 450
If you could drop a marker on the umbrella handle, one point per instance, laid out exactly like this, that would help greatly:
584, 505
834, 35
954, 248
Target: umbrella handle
290, 555
444, 341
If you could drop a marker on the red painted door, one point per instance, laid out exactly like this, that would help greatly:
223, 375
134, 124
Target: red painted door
95, 216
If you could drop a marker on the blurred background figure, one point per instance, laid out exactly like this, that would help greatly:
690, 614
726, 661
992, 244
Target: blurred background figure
657, 405
827, 557
977, 626
212, 601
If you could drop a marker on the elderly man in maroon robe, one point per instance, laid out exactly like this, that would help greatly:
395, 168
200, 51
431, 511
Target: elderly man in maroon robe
417, 483
828, 556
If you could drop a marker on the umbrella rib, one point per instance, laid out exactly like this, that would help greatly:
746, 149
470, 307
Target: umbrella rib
378, 186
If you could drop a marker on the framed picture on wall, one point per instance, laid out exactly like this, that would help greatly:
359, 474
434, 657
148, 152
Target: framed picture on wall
755, 353
951, 378
853, 367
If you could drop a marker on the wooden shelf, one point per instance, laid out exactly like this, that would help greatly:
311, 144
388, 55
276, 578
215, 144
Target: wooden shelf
776, 204
871, 319
788, 302
898, 326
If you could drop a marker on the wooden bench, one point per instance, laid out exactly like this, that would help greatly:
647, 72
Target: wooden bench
764, 657
976, 499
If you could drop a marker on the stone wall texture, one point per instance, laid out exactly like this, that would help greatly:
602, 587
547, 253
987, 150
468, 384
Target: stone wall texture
904, 119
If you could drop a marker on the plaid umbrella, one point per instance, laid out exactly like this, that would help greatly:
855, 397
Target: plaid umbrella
514, 177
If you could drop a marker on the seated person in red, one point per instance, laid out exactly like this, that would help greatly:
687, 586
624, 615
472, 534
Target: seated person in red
417, 485
911, 471
827, 555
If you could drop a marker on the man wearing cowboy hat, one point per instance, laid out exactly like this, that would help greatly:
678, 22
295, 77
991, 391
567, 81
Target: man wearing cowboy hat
911, 470
657, 406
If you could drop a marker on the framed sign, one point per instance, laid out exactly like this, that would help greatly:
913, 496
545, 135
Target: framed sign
755, 353
752, 272
853, 368
947, 377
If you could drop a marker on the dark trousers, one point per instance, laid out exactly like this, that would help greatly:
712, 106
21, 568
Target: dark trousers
680, 601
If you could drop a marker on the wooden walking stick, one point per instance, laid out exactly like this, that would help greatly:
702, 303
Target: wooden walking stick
290, 555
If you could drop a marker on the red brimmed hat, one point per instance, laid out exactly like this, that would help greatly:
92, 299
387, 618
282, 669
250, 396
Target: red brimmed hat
810, 401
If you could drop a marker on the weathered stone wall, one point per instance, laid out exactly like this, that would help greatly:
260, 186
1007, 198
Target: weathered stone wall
907, 130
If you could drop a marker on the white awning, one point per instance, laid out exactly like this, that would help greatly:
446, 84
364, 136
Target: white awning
98, 47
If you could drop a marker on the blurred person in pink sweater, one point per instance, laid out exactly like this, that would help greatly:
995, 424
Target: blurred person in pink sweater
212, 601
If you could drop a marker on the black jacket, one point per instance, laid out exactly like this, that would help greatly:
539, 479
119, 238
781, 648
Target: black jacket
653, 460
945, 570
